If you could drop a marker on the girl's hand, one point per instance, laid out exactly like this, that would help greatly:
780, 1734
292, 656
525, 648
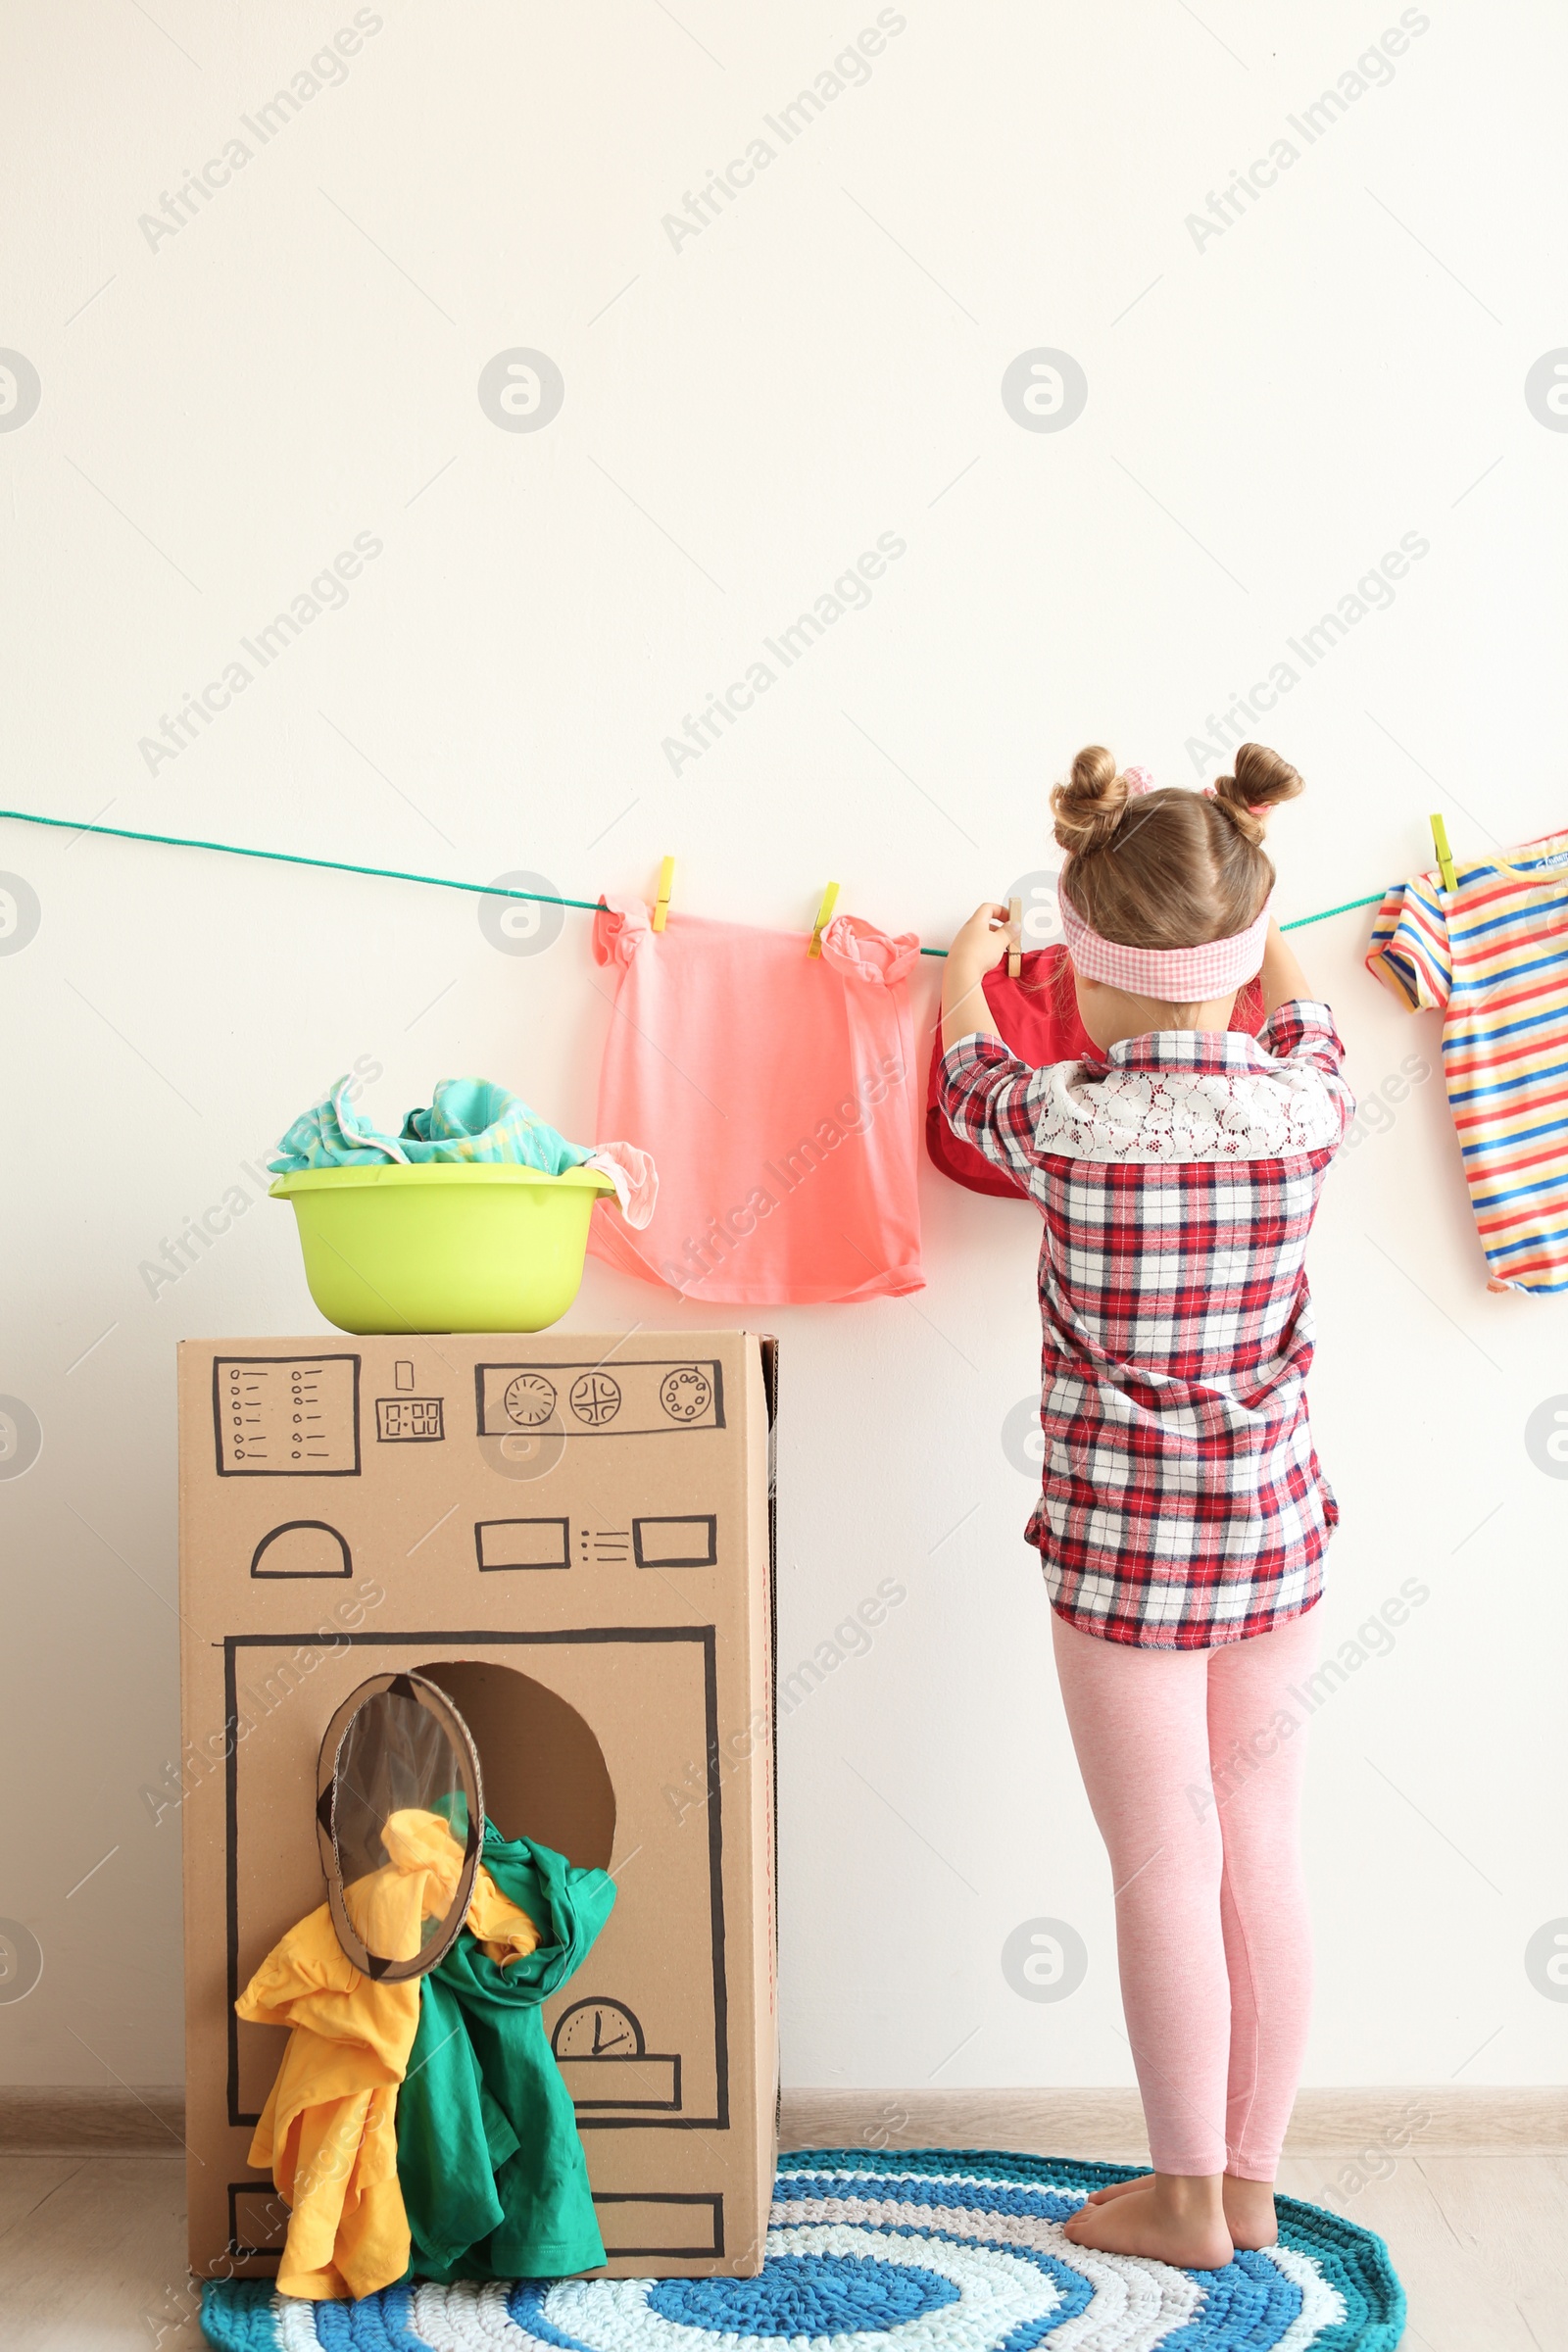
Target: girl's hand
979, 947
983, 941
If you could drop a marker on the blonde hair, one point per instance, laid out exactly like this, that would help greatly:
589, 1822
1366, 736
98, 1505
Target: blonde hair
1170, 868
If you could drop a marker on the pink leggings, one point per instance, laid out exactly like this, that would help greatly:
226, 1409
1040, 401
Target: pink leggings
1192, 1759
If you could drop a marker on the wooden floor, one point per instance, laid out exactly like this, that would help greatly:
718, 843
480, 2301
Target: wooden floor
92, 2249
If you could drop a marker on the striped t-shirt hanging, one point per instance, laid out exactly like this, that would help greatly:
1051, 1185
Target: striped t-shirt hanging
1492, 957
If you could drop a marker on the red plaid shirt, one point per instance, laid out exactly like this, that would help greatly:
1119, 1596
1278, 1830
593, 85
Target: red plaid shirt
1182, 1503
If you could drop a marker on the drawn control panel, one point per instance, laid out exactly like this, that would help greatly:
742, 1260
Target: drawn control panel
287, 1416
607, 1398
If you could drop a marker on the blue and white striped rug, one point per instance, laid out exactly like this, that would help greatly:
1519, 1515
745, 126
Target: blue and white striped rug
923, 2250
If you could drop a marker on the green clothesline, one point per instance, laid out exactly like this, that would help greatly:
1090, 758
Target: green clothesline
483, 890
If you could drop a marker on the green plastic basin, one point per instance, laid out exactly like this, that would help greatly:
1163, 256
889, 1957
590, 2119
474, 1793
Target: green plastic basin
469, 1245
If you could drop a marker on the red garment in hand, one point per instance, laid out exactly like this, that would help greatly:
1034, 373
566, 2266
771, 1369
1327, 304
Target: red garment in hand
1037, 1018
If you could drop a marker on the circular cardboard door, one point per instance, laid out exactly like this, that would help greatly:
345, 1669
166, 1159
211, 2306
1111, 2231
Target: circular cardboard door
400, 1822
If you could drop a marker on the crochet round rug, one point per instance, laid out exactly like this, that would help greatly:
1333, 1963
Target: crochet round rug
923, 2250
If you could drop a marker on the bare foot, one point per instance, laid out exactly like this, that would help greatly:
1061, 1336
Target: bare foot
1163, 2218
1248, 2207
1119, 2188
1250, 2212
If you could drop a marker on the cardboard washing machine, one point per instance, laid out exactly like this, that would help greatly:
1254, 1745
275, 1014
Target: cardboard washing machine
573, 1535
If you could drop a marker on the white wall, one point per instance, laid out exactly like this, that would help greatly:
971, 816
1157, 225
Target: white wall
224, 409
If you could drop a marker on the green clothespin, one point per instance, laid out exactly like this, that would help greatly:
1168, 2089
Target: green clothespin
1439, 842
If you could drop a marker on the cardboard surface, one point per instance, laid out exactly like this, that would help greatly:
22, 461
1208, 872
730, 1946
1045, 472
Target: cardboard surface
571, 1534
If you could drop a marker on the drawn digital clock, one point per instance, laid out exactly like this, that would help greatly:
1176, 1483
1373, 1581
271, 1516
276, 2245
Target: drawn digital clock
401, 1419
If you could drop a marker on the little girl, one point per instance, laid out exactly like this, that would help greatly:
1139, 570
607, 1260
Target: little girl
1183, 1516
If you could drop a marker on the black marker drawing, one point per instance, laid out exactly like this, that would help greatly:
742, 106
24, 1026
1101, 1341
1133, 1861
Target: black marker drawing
598, 2029
640, 1397
303, 1548
529, 1399
606, 2062
258, 2222
286, 1416
615, 2091
651, 2227
676, 1542
522, 1543
595, 1398
409, 1420
686, 1394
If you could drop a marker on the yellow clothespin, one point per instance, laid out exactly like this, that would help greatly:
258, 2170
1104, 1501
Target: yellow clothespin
667, 876
824, 915
1439, 842
1015, 943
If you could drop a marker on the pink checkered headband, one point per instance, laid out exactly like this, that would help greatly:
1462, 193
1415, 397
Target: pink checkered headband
1170, 975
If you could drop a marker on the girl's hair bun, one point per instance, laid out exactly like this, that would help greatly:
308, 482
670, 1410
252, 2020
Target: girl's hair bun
1262, 779
1089, 807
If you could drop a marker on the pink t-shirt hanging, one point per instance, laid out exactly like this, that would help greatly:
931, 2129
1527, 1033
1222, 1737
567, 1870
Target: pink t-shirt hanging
778, 1097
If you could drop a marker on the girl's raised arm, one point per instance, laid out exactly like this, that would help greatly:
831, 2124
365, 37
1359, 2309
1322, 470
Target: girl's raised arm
979, 947
1282, 975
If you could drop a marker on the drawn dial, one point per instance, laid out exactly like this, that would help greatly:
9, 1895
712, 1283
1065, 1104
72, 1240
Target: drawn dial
598, 2029
530, 1399
686, 1393
596, 1398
